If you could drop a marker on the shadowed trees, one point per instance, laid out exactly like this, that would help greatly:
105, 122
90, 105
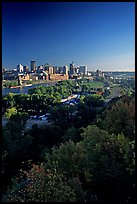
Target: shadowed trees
101, 165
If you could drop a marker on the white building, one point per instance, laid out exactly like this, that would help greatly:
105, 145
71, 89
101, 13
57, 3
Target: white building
20, 68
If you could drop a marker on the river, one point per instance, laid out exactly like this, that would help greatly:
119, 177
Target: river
25, 89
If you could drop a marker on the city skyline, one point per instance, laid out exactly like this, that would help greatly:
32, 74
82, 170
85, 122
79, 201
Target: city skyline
98, 35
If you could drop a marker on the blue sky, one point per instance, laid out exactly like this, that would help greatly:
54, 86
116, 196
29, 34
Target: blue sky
99, 35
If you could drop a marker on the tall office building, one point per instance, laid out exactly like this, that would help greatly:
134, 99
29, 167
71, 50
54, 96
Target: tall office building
33, 65
83, 70
60, 70
50, 69
25, 68
65, 70
72, 68
55, 70
20, 68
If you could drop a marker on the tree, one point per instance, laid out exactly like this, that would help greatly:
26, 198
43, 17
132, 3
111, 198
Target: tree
10, 112
19, 117
73, 134
8, 101
95, 100
68, 157
15, 149
22, 102
85, 115
106, 93
94, 169
108, 165
120, 118
40, 185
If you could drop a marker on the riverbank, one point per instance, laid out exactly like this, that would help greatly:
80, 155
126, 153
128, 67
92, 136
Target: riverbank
38, 82
44, 82
21, 86
24, 89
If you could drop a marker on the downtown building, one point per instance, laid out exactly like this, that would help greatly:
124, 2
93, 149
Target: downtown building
83, 70
65, 70
71, 69
25, 68
33, 65
20, 68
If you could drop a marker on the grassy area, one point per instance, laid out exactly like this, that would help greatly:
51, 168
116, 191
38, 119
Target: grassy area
8, 83
115, 85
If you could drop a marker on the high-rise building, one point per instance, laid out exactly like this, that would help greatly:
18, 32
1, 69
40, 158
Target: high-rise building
77, 70
60, 70
55, 70
65, 70
72, 68
25, 68
50, 69
20, 68
83, 70
33, 65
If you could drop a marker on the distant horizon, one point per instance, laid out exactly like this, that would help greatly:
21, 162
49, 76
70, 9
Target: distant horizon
103, 70
100, 35
90, 70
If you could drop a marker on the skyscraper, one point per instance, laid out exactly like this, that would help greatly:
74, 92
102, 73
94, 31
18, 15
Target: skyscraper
33, 65
50, 69
55, 70
83, 70
20, 68
65, 70
25, 68
72, 68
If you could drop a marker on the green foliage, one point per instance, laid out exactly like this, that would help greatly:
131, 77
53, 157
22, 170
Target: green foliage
80, 162
15, 149
10, 83
106, 93
19, 117
72, 134
46, 136
8, 101
62, 89
41, 185
95, 100
120, 118
100, 165
13, 139
85, 115
82, 97
22, 101
108, 151
10, 112
108, 159
89, 86
68, 158
63, 115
